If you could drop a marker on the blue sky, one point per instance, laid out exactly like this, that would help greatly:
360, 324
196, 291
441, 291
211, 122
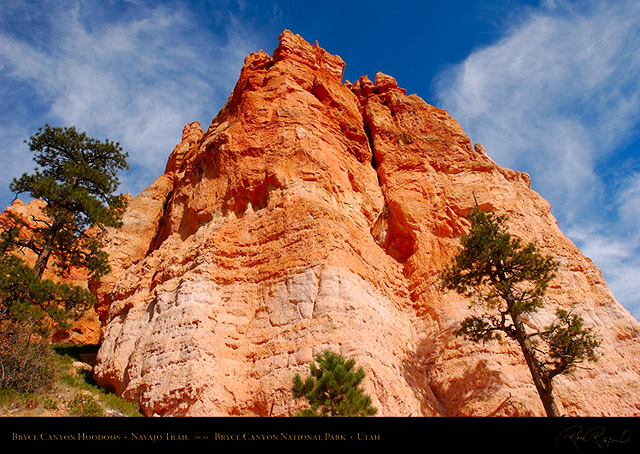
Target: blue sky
550, 87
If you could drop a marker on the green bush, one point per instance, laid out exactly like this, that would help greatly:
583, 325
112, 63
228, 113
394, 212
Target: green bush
49, 403
8, 397
121, 405
85, 405
333, 388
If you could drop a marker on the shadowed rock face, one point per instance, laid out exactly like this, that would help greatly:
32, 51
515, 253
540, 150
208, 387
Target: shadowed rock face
314, 214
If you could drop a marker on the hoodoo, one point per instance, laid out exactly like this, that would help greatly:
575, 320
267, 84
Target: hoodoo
315, 213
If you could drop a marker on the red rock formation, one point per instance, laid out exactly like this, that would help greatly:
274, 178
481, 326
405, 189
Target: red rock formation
314, 214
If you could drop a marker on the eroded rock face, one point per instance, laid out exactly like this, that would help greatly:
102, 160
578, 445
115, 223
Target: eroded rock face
314, 214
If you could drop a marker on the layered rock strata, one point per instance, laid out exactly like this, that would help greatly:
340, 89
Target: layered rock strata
314, 214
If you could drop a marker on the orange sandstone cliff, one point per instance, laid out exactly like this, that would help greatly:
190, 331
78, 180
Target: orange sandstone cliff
314, 214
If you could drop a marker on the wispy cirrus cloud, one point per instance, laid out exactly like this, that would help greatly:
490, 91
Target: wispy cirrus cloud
133, 71
559, 97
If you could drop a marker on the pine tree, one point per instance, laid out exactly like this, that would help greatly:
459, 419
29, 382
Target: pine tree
43, 303
507, 280
333, 388
76, 177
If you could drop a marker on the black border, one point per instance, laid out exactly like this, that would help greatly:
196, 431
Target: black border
496, 434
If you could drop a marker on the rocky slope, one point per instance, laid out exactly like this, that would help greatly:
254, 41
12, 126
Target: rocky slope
314, 214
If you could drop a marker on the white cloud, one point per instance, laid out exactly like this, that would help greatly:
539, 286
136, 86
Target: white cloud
559, 97
136, 78
629, 201
617, 256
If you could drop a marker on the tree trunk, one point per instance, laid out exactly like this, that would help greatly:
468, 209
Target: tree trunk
47, 248
42, 260
542, 382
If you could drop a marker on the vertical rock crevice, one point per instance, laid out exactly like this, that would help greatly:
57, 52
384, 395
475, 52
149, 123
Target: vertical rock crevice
389, 230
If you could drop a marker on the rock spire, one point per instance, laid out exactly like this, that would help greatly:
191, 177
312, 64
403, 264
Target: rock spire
316, 214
